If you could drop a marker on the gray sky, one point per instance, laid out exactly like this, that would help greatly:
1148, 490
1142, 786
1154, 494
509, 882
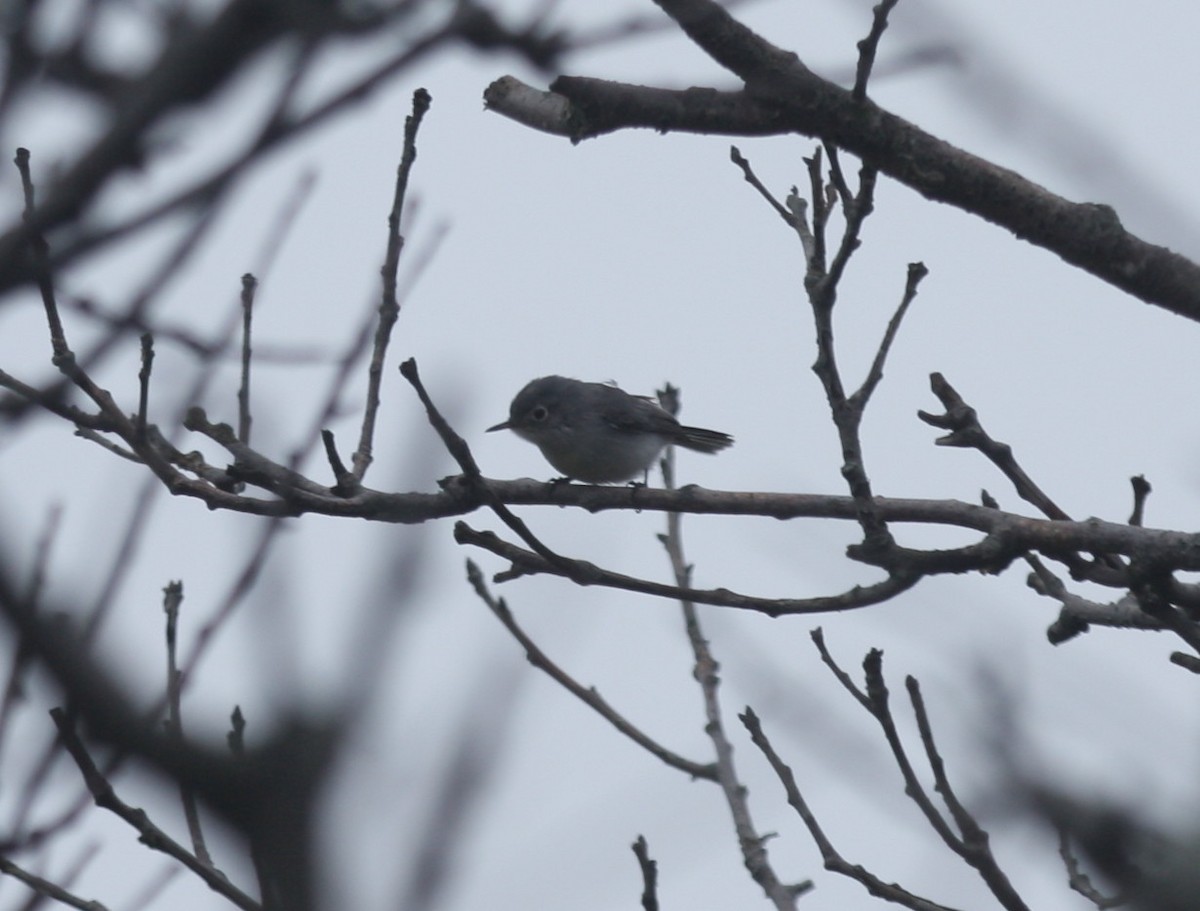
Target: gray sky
644, 258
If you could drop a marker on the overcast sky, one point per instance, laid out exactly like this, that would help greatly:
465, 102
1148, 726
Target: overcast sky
644, 258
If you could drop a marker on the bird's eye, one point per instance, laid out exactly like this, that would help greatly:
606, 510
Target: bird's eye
539, 413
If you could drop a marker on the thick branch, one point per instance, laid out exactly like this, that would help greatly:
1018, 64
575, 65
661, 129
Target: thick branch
782, 96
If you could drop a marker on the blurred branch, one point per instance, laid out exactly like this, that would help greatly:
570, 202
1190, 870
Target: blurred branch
198, 58
148, 833
14, 687
462, 786
47, 888
172, 601
268, 794
1078, 880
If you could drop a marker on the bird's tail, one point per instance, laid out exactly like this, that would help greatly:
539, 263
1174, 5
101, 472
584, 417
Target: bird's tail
702, 440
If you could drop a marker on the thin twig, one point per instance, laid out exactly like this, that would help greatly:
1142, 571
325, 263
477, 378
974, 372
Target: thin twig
815, 255
39, 250
967, 432
836, 176
737, 158
345, 482
236, 737
818, 637
867, 48
348, 361
586, 694
47, 888
172, 601
879, 700
575, 570
249, 286
63, 357
857, 208
1078, 880
14, 688
834, 862
916, 272
752, 844
821, 285
526, 562
149, 834
649, 868
976, 847
1141, 491
389, 305
144, 384
970, 842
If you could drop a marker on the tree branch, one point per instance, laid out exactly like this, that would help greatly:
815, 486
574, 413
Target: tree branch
783, 96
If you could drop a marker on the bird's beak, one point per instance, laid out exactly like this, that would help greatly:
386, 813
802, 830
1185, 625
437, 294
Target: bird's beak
504, 425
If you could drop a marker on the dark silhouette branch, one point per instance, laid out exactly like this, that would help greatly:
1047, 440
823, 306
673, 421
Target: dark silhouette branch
586, 694
834, 862
705, 671
782, 96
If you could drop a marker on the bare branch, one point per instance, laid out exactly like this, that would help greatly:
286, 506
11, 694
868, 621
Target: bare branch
1141, 492
751, 178
783, 96
526, 562
249, 285
47, 888
705, 671
1078, 880
649, 870
389, 305
967, 432
834, 862
868, 46
144, 385
974, 843
588, 695
149, 834
172, 600
457, 447
916, 272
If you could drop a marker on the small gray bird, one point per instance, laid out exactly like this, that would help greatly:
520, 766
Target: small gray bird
597, 433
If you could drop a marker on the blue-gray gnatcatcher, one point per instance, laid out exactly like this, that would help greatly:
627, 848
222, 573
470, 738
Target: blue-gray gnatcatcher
597, 433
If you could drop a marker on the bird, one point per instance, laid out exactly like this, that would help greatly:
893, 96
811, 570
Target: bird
598, 433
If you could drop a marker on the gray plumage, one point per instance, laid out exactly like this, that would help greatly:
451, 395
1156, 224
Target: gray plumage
597, 433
